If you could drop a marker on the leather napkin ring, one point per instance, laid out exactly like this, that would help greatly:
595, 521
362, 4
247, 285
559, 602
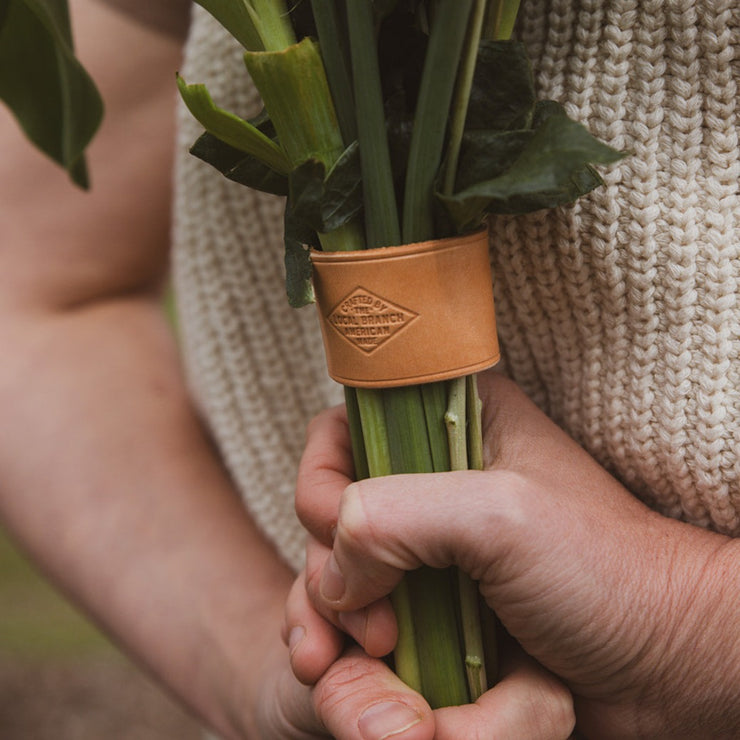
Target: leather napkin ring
404, 315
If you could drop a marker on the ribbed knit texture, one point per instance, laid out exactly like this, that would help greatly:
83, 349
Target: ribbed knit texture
619, 316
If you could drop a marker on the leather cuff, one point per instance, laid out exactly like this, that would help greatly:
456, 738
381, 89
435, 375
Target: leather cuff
404, 315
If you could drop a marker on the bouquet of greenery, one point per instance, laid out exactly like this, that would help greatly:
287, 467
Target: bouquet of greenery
386, 123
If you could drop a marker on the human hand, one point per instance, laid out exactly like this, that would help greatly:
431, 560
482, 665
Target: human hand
359, 698
507, 711
605, 593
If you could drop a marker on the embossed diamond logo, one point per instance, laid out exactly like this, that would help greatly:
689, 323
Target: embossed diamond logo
367, 321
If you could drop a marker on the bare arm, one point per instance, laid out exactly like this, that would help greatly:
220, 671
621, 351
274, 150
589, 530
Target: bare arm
105, 473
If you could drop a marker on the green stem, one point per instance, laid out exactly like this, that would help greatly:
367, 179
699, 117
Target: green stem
434, 615
374, 431
475, 655
462, 96
405, 654
381, 211
407, 430
270, 18
336, 62
434, 396
347, 238
432, 113
443, 675
375, 434
455, 422
500, 19
359, 453
475, 425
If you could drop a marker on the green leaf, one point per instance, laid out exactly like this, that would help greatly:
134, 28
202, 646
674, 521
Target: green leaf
235, 165
296, 94
44, 85
231, 129
487, 154
307, 192
503, 94
325, 202
343, 190
299, 239
552, 169
236, 19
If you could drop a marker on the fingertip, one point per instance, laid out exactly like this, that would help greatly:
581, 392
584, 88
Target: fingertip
360, 698
311, 654
393, 719
332, 585
313, 642
374, 628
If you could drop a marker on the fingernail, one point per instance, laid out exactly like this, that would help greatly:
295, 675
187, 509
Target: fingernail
332, 581
387, 719
294, 638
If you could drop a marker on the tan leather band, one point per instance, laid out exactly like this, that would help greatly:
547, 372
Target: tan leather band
404, 315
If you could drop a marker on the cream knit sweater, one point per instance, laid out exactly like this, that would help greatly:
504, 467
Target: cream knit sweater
619, 316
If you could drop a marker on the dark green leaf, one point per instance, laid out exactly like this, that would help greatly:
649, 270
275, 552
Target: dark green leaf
485, 155
307, 193
503, 95
322, 201
298, 269
343, 190
554, 168
44, 85
238, 166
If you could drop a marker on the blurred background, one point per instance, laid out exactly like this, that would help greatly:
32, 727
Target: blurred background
61, 679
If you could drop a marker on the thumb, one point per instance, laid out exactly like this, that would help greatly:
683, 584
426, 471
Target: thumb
390, 525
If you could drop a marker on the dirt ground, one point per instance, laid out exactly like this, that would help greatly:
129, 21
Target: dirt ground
61, 679
94, 699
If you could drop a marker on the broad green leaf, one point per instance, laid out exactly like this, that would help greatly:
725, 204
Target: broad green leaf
325, 202
231, 129
44, 85
554, 168
235, 165
503, 95
487, 154
343, 190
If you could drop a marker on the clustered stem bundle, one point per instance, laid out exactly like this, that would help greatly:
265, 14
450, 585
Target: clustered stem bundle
378, 146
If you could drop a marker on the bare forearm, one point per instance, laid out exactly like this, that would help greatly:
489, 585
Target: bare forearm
110, 482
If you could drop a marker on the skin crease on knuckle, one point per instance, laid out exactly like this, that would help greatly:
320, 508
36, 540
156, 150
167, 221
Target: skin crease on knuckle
360, 539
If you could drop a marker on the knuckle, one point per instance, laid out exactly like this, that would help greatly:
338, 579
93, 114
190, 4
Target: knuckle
314, 509
344, 681
320, 420
556, 712
353, 525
